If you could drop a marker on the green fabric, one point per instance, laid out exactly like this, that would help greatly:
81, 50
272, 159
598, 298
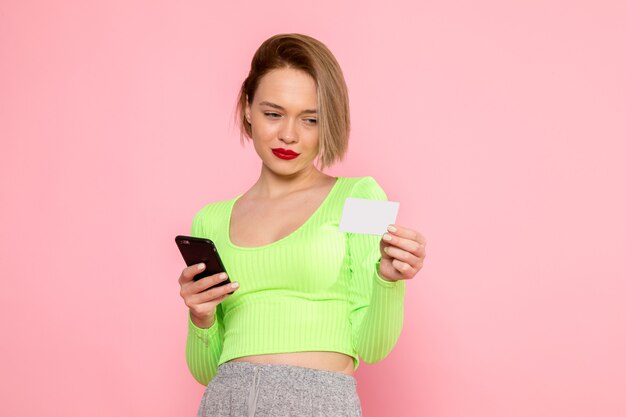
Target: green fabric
316, 289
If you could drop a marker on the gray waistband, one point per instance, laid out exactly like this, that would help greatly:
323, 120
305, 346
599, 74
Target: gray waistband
282, 378
281, 372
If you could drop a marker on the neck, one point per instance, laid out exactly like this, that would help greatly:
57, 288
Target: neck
272, 185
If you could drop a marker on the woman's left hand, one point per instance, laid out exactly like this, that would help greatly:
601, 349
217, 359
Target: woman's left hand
403, 251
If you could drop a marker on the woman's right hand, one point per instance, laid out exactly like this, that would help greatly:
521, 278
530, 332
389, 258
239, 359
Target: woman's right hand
202, 304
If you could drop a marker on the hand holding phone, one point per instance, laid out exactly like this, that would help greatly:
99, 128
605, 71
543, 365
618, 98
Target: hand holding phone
202, 288
197, 250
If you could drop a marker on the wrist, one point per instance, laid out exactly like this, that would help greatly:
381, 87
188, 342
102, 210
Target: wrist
379, 274
202, 322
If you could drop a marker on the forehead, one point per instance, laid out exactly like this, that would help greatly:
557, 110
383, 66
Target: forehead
287, 87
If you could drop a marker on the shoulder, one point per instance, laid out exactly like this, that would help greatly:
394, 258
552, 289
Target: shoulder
215, 206
365, 187
209, 215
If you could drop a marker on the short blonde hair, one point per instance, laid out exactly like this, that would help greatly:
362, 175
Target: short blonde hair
302, 52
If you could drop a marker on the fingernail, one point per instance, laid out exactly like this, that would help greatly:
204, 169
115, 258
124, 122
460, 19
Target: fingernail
392, 229
234, 285
387, 237
386, 249
200, 267
223, 275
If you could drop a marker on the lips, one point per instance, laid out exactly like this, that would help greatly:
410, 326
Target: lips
284, 153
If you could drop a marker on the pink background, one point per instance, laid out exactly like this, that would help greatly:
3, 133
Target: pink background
499, 126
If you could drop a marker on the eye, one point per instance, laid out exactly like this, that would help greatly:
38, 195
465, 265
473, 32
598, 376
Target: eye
271, 115
311, 121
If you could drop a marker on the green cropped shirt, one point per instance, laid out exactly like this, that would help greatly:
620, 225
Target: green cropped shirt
316, 289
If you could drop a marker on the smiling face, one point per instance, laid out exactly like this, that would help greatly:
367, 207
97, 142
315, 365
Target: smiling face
283, 117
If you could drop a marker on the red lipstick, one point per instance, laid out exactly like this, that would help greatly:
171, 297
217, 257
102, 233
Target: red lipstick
284, 153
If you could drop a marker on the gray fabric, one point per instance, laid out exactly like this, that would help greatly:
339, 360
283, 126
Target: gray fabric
254, 393
264, 390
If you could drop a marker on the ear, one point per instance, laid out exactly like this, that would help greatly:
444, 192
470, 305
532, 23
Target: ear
247, 110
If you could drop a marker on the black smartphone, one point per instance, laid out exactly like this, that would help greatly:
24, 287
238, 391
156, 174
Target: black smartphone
196, 250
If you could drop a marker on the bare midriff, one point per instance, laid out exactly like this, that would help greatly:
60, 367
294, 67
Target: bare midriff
326, 361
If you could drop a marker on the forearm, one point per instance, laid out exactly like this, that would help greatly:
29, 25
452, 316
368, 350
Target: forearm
203, 350
382, 322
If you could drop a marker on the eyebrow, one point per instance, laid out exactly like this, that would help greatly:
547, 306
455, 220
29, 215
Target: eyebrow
276, 106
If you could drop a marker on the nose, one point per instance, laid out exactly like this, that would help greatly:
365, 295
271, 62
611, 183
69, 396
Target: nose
288, 132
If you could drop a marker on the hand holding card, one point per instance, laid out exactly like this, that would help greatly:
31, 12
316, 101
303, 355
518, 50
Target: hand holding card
402, 249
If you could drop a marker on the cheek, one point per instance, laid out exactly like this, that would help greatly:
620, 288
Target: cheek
263, 131
313, 140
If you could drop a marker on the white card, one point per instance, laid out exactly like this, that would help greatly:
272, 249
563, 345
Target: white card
365, 216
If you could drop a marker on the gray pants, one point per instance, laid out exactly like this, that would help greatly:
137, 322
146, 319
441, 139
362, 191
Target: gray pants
252, 389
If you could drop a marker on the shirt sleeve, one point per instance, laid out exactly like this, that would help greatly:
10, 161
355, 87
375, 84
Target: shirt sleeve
376, 305
204, 346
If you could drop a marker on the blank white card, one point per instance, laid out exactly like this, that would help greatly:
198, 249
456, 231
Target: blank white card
369, 217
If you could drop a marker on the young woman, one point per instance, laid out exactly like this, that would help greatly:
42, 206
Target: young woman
308, 300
